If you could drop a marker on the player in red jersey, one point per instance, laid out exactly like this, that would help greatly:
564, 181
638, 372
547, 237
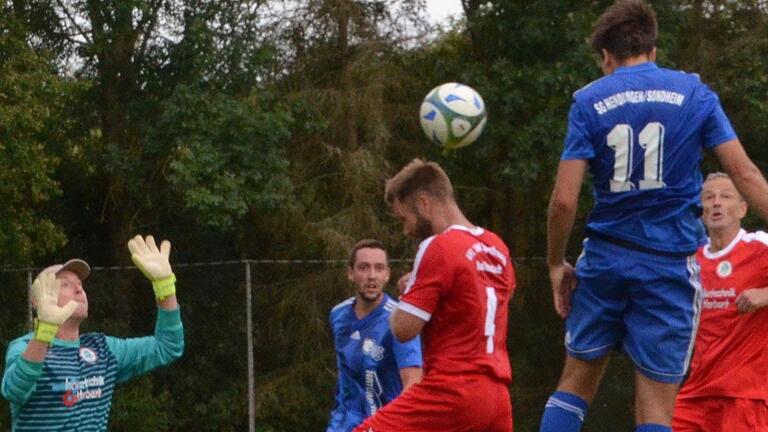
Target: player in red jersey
727, 389
457, 298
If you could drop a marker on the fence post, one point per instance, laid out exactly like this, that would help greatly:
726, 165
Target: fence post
249, 344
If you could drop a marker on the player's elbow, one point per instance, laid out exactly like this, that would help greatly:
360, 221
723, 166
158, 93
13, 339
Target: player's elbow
403, 335
170, 349
404, 326
400, 332
561, 204
13, 395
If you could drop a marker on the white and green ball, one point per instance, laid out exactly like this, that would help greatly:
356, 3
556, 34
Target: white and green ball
453, 115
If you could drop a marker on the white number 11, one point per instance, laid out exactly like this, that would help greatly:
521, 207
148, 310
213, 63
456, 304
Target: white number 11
651, 139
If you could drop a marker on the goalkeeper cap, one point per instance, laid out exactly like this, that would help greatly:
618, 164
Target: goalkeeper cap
75, 265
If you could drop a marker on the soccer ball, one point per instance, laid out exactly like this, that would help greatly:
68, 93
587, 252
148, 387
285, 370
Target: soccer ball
453, 115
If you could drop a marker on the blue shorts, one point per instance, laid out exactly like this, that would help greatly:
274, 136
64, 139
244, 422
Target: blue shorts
647, 304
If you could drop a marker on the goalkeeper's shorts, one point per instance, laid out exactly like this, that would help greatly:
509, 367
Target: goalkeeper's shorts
459, 403
716, 414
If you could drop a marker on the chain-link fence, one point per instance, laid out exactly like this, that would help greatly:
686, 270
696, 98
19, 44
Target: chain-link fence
259, 355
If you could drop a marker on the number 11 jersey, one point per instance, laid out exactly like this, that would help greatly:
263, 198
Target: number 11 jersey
642, 129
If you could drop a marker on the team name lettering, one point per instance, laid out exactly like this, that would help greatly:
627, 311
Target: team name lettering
483, 248
636, 97
372, 391
719, 299
78, 390
88, 394
490, 268
75, 385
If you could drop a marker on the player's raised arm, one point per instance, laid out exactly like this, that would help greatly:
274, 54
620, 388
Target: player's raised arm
136, 356
154, 264
24, 364
745, 175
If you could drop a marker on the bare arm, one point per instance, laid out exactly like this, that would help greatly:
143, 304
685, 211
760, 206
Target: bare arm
560, 217
35, 351
169, 303
404, 325
745, 175
562, 208
410, 376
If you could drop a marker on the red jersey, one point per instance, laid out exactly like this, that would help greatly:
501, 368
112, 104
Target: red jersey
461, 284
731, 351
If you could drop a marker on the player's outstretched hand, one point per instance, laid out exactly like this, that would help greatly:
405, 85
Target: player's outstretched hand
563, 279
752, 300
153, 262
45, 291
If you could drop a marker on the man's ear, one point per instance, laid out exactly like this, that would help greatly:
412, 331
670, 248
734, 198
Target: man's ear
743, 208
423, 203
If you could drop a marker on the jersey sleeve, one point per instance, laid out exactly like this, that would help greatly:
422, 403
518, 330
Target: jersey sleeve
717, 128
407, 354
578, 142
427, 282
762, 237
136, 356
21, 375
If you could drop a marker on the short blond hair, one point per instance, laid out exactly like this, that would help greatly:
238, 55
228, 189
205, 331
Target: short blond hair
716, 175
418, 176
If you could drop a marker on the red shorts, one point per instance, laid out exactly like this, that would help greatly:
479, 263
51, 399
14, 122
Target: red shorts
717, 414
463, 403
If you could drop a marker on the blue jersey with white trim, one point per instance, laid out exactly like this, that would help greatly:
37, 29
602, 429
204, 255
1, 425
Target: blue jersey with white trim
642, 129
369, 359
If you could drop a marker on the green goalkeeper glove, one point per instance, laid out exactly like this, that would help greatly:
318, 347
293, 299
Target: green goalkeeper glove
45, 291
154, 264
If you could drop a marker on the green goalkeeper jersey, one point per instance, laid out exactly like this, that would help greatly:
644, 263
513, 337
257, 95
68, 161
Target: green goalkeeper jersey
71, 390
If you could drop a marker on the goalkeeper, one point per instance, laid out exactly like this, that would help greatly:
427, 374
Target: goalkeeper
57, 379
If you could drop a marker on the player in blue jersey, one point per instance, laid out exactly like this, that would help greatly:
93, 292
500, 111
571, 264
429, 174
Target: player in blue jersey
641, 131
373, 366
57, 379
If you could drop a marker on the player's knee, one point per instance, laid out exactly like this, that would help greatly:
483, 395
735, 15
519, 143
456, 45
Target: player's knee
582, 377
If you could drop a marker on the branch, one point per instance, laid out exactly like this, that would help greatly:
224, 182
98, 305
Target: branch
74, 23
148, 32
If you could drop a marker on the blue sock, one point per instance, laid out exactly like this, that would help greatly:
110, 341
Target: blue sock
564, 412
649, 427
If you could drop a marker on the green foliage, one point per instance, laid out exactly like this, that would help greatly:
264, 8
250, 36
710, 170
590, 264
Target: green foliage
30, 109
136, 400
229, 154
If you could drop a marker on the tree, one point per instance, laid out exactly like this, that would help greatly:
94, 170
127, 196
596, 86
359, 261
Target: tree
31, 101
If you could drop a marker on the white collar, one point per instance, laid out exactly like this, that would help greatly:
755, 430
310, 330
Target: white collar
724, 251
476, 231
